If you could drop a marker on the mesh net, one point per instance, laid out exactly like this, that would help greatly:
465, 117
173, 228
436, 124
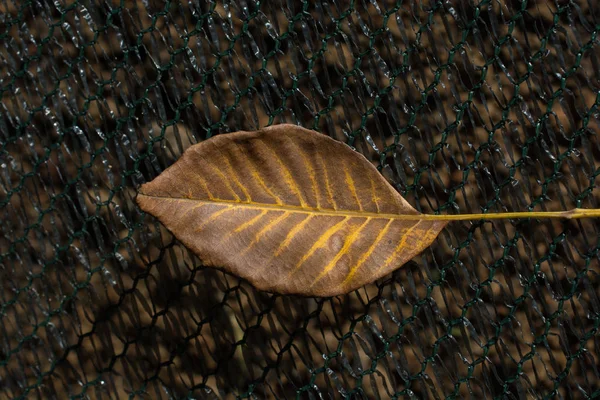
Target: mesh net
463, 106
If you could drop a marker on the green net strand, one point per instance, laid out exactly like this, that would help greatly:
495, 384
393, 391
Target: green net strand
463, 106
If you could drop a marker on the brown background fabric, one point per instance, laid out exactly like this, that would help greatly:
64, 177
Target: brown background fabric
462, 107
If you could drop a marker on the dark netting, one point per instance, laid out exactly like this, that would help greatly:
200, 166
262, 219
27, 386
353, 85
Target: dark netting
464, 106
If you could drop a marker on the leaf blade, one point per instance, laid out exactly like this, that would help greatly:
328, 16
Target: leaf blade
274, 214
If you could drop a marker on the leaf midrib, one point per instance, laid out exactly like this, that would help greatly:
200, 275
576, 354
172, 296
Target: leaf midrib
575, 213
303, 210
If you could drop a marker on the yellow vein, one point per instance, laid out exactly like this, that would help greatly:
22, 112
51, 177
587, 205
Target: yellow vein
286, 173
225, 181
283, 245
400, 246
292, 234
319, 211
205, 187
263, 231
192, 209
234, 176
374, 194
256, 175
320, 242
311, 172
347, 243
352, 188
426, 237
327, 186
254, 171
182, 173
214, 216
367, 254
248, 224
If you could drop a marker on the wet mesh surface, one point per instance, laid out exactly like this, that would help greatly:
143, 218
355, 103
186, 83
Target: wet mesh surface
464, 106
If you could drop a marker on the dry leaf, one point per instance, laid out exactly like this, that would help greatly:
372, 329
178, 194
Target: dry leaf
290, 210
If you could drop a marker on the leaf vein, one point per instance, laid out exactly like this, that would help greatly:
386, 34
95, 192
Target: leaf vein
405, 236
214, 216
287, 175
352, 187
321, 240
347, 243
367, 254
248, 224
327, 185
234, 175
290, 236
263, 231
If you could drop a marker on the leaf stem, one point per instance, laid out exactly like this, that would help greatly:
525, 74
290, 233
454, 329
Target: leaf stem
575, 213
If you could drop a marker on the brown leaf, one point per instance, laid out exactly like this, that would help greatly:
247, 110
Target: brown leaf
290, 210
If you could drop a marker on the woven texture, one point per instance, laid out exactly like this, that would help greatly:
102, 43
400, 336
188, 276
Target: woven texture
464, 106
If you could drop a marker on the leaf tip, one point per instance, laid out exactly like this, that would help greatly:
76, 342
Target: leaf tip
143, 201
